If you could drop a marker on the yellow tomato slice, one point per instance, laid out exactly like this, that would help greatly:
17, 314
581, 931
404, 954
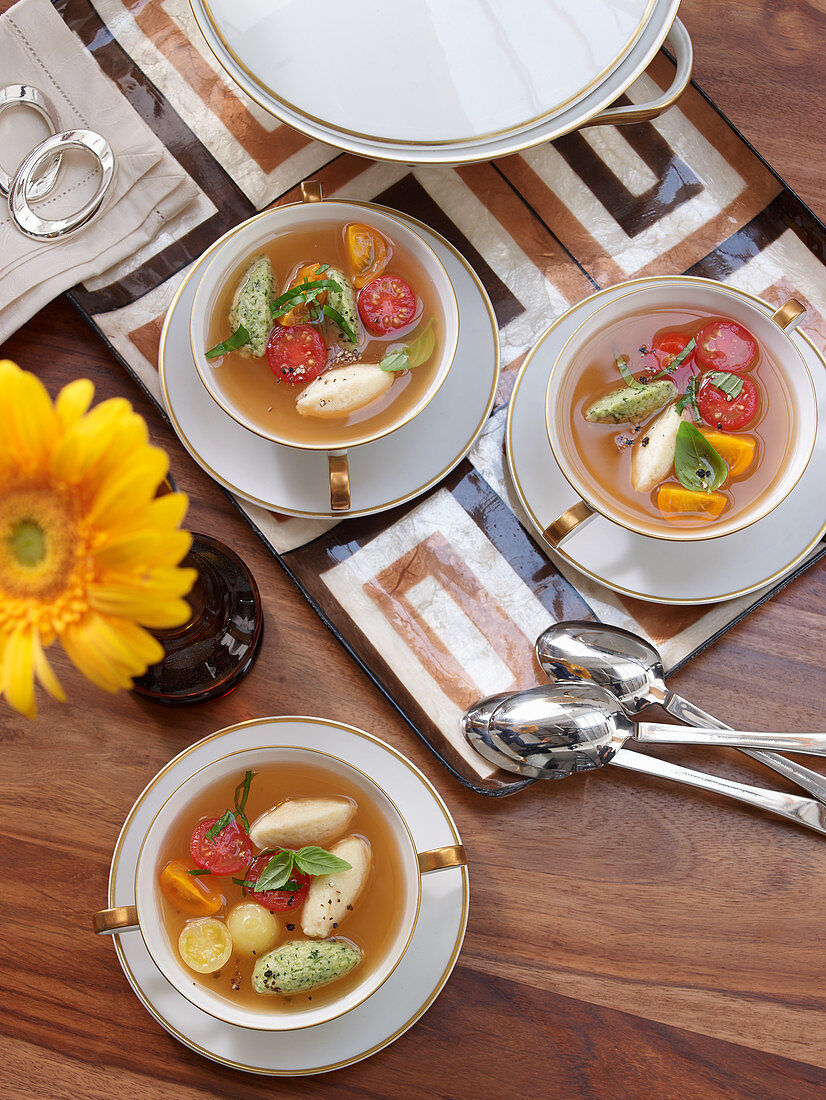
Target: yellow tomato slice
737, 450
674, 498
189, 893
205, 944
300, 315
367, 250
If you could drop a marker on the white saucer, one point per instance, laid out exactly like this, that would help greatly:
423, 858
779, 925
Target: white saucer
653, 569
406, 994
599, 94
383, 474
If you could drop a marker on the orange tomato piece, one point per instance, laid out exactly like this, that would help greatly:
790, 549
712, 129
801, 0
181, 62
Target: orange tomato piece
737, 450
368, 254
300, 315
189, 893
675, 498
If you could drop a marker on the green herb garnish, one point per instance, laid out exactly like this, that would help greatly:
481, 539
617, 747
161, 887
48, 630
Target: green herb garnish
622, 366
683, 355
306, 291
225, 819
689, 398
335, 316
411, 355
311, 860
237, 340
730, 384
697, 464
242, 793
197, 871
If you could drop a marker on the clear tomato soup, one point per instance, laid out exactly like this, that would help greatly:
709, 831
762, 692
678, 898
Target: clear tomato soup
371, 925
270, 403
604, 450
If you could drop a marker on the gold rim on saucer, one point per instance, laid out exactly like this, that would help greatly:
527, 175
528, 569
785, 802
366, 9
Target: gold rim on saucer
566, 557
268, 1035
329, 514
333, 130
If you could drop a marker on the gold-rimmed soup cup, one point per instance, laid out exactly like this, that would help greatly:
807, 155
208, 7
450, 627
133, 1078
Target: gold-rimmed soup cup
333, 435
146, 915
771, 328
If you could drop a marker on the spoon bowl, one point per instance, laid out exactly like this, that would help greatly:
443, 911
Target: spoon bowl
549, 732
624, 663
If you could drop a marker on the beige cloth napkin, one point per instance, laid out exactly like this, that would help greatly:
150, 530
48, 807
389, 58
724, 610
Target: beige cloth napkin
150, 187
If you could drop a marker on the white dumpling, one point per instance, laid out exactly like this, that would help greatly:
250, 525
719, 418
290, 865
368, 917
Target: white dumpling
301, 821
343, 390
331, 897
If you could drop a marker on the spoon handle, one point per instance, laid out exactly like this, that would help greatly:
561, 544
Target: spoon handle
809, 780
802, 811
658, 733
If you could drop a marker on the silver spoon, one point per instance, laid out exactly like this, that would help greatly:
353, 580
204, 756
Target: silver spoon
519, 750
631, 668
582, 725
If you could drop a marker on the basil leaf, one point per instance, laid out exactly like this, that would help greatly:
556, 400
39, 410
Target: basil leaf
397, 359
697, 464
689, 398
220, 824
622, 366
242, 793
237, 340
197, 871
334, 315
683, 355
730, 384
306, 291
313, 860
411, 355
277, 873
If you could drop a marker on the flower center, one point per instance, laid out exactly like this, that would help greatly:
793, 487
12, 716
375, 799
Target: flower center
27, 543
38, 543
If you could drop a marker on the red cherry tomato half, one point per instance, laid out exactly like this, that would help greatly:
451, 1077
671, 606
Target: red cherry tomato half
296, 354
727, 413
725, 345
278, 901
387, 305
225, 853
669, 345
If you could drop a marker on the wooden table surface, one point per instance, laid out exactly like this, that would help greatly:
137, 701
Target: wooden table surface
626, 938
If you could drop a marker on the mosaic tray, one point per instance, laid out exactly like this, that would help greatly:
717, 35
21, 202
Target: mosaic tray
543, 230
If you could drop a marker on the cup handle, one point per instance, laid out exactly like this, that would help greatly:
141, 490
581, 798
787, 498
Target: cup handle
311, 191
680, 42
437, 859
339, 481
789, 314
121, 919
555, 532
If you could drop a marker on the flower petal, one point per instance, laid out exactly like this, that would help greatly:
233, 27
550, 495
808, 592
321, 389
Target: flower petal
44, 671
18, 672
73, 401
129, 488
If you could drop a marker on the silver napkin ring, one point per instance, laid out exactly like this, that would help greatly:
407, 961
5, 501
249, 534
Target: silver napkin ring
23, 95
45, 229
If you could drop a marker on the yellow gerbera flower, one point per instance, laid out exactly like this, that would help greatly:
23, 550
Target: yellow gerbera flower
88, 553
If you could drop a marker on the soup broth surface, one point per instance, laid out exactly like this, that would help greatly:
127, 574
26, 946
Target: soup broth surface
604, 450
252, 388
373, 923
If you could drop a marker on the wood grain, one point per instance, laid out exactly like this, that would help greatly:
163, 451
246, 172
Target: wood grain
625, 940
